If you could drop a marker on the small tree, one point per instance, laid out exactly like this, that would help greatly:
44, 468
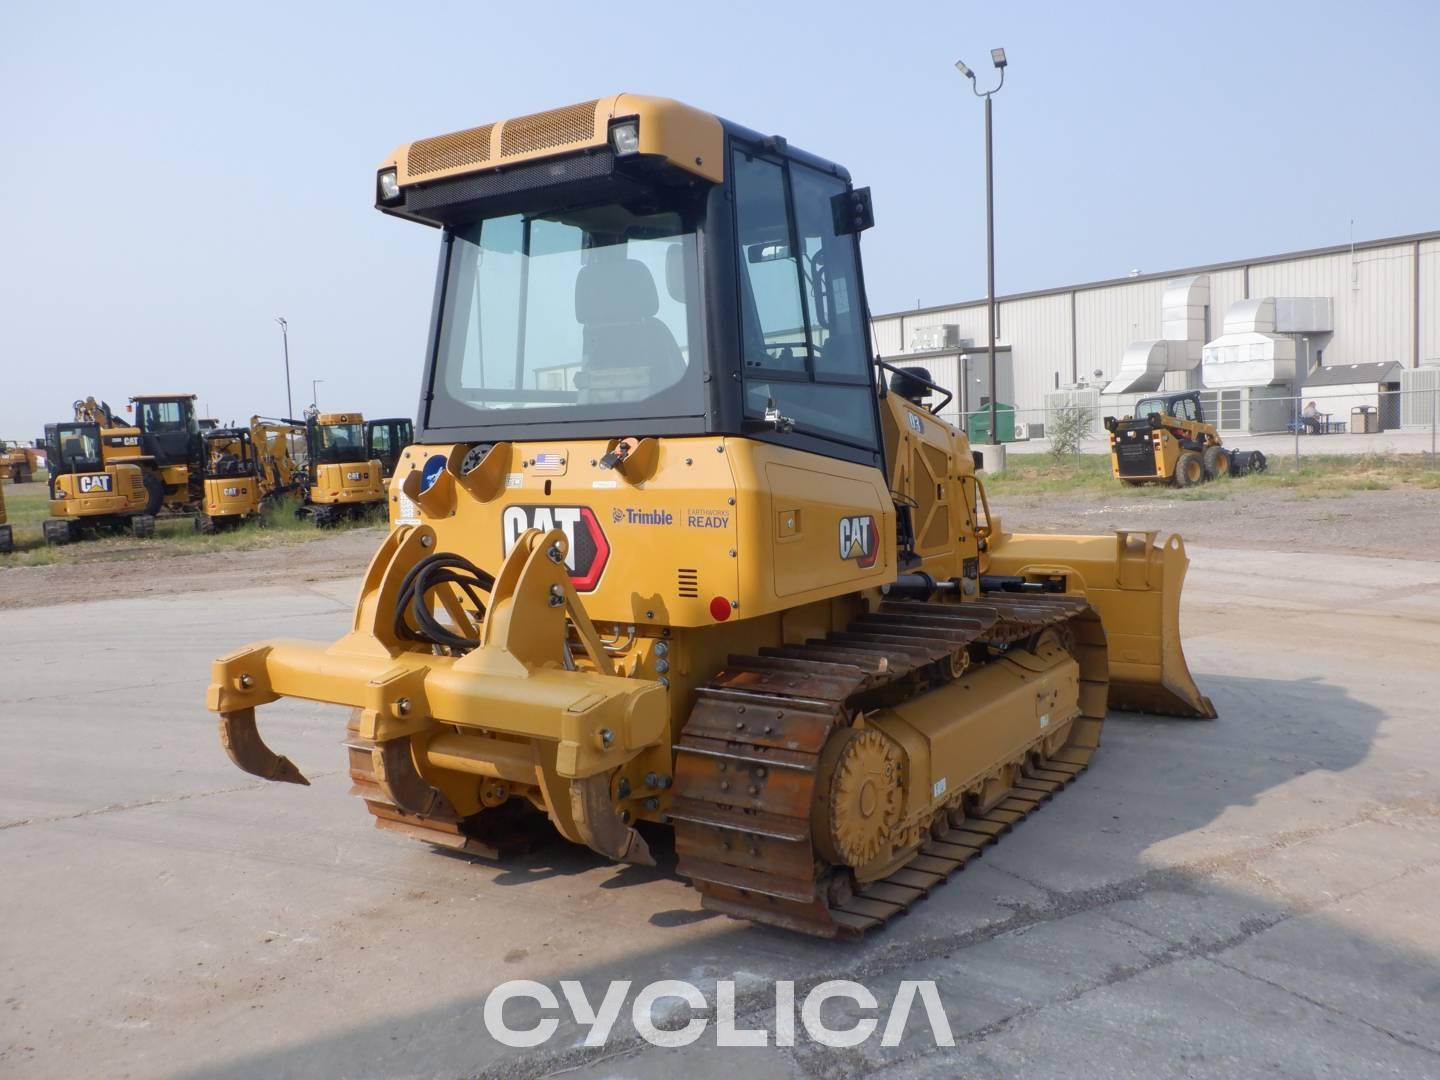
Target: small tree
1070, 426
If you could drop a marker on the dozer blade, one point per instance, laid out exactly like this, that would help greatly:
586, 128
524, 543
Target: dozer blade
247, 749
1134, 583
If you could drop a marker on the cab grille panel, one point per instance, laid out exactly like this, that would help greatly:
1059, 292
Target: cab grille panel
541, 131
137, 486
470, 147
689, 583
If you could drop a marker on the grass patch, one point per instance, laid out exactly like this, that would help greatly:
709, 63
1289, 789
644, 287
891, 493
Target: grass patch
1317, 476
26, 511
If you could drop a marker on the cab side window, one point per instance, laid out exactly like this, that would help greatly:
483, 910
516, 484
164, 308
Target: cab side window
803, 335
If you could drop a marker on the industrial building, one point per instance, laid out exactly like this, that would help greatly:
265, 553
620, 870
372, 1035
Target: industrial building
1355, 326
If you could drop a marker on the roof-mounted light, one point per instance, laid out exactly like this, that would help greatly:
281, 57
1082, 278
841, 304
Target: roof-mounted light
625, 137
389, 186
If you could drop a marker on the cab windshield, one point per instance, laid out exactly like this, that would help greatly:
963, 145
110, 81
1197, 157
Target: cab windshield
1150, 406
337, 443
75, 447
581, 313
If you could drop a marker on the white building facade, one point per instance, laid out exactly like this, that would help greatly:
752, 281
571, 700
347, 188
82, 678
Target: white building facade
1376, 302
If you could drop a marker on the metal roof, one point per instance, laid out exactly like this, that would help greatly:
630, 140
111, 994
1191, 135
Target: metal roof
1234, 264
1348, 374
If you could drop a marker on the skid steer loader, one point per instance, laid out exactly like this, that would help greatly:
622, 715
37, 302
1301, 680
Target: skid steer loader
673, 549
1168, 441
246, 470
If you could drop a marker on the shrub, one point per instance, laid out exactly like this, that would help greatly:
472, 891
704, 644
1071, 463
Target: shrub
1070, 425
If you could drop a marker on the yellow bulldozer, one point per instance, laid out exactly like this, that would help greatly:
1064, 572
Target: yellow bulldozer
246, 470
108, 474
1169, 441
674, 548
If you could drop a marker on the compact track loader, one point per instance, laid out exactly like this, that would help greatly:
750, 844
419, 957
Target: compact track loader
674, 549
342, 478
1169, 441
106, 474
246, 470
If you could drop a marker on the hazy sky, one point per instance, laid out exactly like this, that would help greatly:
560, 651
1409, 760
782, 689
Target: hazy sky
180, 174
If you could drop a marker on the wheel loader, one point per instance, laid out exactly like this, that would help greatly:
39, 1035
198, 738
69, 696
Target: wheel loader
246, 470
342, 478
107, 474
674, 550
1168, 441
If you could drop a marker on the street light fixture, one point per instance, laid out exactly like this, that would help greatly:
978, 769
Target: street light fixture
285, 337
997, 57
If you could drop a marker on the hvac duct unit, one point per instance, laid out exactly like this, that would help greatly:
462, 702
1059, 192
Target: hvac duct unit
1419, 409
935, 338
1182, 327
1258, 345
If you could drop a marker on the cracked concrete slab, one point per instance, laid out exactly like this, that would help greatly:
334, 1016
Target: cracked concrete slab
1223, 898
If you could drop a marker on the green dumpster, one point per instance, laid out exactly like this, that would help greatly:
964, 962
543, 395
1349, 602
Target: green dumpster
978, 427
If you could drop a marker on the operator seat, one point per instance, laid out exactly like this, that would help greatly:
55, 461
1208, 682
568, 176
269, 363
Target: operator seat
627, 354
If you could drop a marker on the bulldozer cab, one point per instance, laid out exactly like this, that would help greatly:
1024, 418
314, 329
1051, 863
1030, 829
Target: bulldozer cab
617, 292
385, 439
1183, 406
73, 447
169, 429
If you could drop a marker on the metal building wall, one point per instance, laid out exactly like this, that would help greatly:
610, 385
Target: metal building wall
1108, 319
1373, 296
1430, 301
1372, 300
1037, 329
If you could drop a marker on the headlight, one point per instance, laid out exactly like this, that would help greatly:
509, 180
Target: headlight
389, 186
625, 137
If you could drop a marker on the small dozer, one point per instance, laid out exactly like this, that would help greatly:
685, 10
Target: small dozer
107, 474
674, 549
1169, 441
246, 471
342, 479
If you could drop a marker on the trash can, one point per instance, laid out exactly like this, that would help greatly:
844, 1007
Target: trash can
978, 427
1364, 420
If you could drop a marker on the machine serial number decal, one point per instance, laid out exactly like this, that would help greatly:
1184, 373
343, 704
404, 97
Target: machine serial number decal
858, 540
90, 484
589, 550
514, 479
916, 424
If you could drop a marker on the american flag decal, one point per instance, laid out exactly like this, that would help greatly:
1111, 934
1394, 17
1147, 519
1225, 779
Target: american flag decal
549, 463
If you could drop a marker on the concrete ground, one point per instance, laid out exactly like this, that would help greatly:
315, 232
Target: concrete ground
1251, 896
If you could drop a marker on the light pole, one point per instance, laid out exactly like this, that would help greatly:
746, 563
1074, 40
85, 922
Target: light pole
285, 337
997, 56
314, 397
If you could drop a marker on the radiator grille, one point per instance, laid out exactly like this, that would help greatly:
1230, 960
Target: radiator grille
137, 485
470, 147
689, 583
541, 131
